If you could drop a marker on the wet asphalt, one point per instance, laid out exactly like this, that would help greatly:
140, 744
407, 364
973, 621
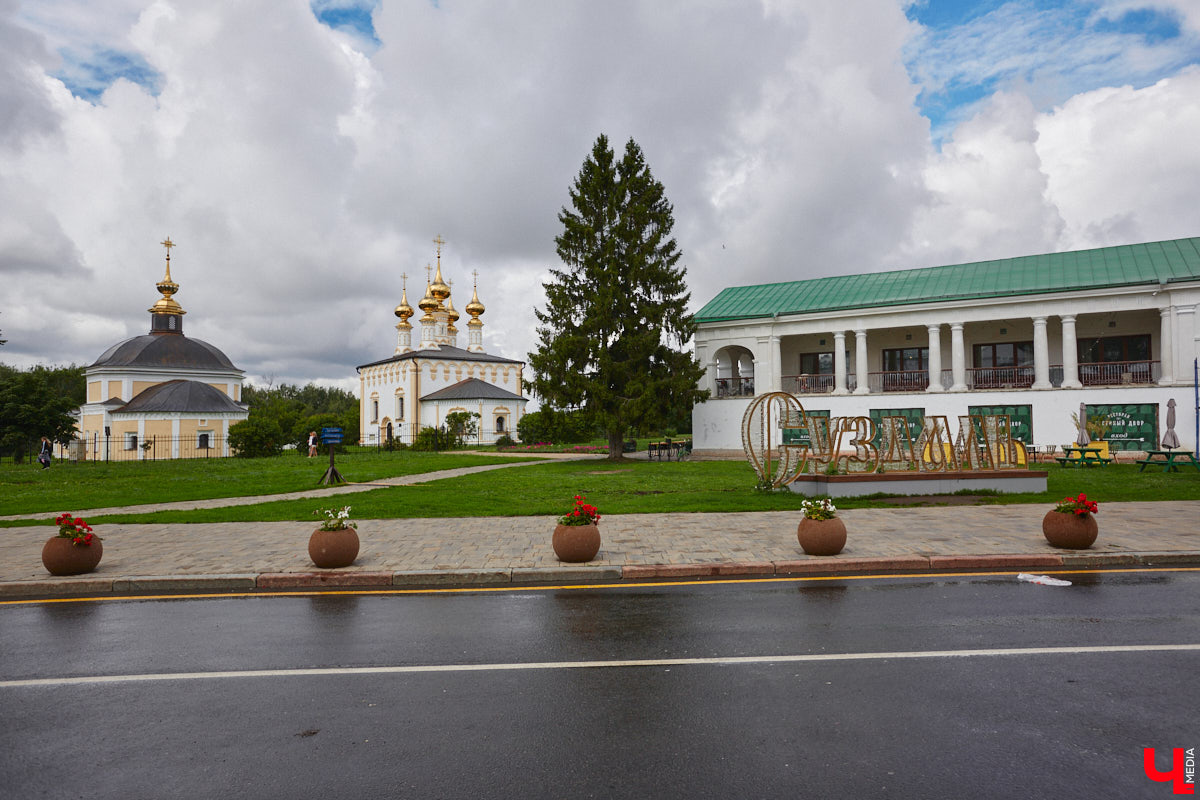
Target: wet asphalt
481, 723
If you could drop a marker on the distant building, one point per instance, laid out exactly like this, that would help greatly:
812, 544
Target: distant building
417, 387
1112, 328
162, 394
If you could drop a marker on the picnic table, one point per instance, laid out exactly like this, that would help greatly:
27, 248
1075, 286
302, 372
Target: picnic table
668, 450
1166, 460
1082, 457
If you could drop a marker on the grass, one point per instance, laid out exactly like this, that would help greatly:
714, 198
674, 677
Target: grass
27, 489
636, 487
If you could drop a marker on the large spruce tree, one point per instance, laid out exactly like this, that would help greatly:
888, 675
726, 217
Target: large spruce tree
616, 316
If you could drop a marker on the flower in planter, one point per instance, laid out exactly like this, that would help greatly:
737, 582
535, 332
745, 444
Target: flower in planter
75, 529
336, 519
818, 509
1077, 505
581, 514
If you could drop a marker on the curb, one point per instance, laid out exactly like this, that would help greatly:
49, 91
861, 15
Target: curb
468, 578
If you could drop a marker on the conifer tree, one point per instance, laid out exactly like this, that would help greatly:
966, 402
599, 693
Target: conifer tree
616, 314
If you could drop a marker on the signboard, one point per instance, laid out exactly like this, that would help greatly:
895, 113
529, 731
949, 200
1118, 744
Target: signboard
331, 435
801, 435
1134, 427
1020, 419
914, 416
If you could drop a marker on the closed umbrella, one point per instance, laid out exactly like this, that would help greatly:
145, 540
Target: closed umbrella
1170, 439
1083, 440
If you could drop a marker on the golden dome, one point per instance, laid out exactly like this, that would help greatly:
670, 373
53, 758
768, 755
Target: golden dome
404, 310
453, 314
166, 304
438, 288
428, 303
475, 308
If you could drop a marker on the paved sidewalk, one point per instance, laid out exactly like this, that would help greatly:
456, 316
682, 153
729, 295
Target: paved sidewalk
507, 550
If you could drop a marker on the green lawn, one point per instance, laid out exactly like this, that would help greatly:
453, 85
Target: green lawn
27, 489
647, 487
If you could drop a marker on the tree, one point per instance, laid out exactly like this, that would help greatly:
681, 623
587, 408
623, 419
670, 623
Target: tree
462, 425
256, 437
38, 403
616, 314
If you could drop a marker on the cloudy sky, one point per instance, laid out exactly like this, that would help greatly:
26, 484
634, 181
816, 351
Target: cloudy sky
304, 155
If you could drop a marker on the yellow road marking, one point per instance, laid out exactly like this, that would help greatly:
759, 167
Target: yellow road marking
594, 586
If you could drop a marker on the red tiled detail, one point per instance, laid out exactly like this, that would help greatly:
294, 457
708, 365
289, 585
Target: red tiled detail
308, 580
1000, 561
746, 568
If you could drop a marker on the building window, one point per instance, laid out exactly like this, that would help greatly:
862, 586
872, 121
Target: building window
1114, 360
203, 440
1002, 364
906, 359
816, 363
499, 424
374, 411
131, 441
399, 407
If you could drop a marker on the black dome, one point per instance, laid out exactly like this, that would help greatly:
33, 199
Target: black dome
164, 350
187, 396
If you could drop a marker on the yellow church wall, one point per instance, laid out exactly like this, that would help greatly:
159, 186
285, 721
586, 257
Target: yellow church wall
223, 388
139, 387
114, 390
93, 392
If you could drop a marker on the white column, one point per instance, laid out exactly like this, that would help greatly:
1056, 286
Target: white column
175, 438
958, 357
1070, 354
776, 367
1166, 349
1188, 346
1041, 355
839, 362
860, 362
935, 359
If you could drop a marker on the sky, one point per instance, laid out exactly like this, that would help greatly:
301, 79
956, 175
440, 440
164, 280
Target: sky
303, 156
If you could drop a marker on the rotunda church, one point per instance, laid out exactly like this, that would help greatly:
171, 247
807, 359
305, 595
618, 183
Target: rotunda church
416, 387
162, 394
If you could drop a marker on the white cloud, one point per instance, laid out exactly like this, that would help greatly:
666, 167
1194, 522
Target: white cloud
301, 176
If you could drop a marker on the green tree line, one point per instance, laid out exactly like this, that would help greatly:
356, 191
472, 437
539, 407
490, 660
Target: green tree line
38, 402
283, 415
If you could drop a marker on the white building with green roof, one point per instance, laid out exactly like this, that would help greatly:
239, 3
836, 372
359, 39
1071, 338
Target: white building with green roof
1034, 337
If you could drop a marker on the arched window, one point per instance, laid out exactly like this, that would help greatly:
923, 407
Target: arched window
499, 424
735, 372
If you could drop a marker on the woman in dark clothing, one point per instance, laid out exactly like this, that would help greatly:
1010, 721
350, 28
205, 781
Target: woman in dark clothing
44, 454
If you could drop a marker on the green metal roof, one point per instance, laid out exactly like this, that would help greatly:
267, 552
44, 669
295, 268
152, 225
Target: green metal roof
1126, 265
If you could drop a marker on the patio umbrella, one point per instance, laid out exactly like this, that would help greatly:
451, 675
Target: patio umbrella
1170, 439
1083, 440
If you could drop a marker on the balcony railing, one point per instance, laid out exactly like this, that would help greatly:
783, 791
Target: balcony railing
735, 387
1119, 373
1000, 378
816, 384
916, 380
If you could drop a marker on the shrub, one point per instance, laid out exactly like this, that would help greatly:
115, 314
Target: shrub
256, 437
504, 442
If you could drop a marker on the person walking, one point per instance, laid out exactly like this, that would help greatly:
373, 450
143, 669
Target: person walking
312, 443
44, 454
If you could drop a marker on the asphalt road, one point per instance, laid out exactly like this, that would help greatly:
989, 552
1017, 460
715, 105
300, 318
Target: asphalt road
895, 687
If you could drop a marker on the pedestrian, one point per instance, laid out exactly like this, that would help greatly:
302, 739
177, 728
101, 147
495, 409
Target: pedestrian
312, 443
44, 454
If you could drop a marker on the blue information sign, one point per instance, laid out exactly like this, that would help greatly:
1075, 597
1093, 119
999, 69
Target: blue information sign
331, 435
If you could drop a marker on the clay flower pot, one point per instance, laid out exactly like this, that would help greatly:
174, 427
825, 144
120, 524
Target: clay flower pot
61, 556
333, 549
821, 537
1069, 531
576, 543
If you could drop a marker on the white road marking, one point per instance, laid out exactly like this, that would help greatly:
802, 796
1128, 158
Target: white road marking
651, 662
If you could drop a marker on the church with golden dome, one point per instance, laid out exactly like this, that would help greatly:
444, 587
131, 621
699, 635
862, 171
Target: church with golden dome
417, 386
160, 395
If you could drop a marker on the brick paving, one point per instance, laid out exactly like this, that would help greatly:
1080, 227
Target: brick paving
497, 550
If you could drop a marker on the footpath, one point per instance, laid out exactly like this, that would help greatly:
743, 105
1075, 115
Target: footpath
495, 551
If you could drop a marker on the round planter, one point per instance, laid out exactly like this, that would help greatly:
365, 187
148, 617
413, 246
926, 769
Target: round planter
61, 557
1070, 531
576, 543
332, 549
821, 537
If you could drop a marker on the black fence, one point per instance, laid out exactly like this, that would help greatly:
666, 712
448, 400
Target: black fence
151, 448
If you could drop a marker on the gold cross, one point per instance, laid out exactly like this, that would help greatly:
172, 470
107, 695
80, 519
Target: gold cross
428, 274
475, 273
439, 241
168, 244
404, 277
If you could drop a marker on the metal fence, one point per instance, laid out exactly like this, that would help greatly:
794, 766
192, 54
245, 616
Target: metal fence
151, 448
